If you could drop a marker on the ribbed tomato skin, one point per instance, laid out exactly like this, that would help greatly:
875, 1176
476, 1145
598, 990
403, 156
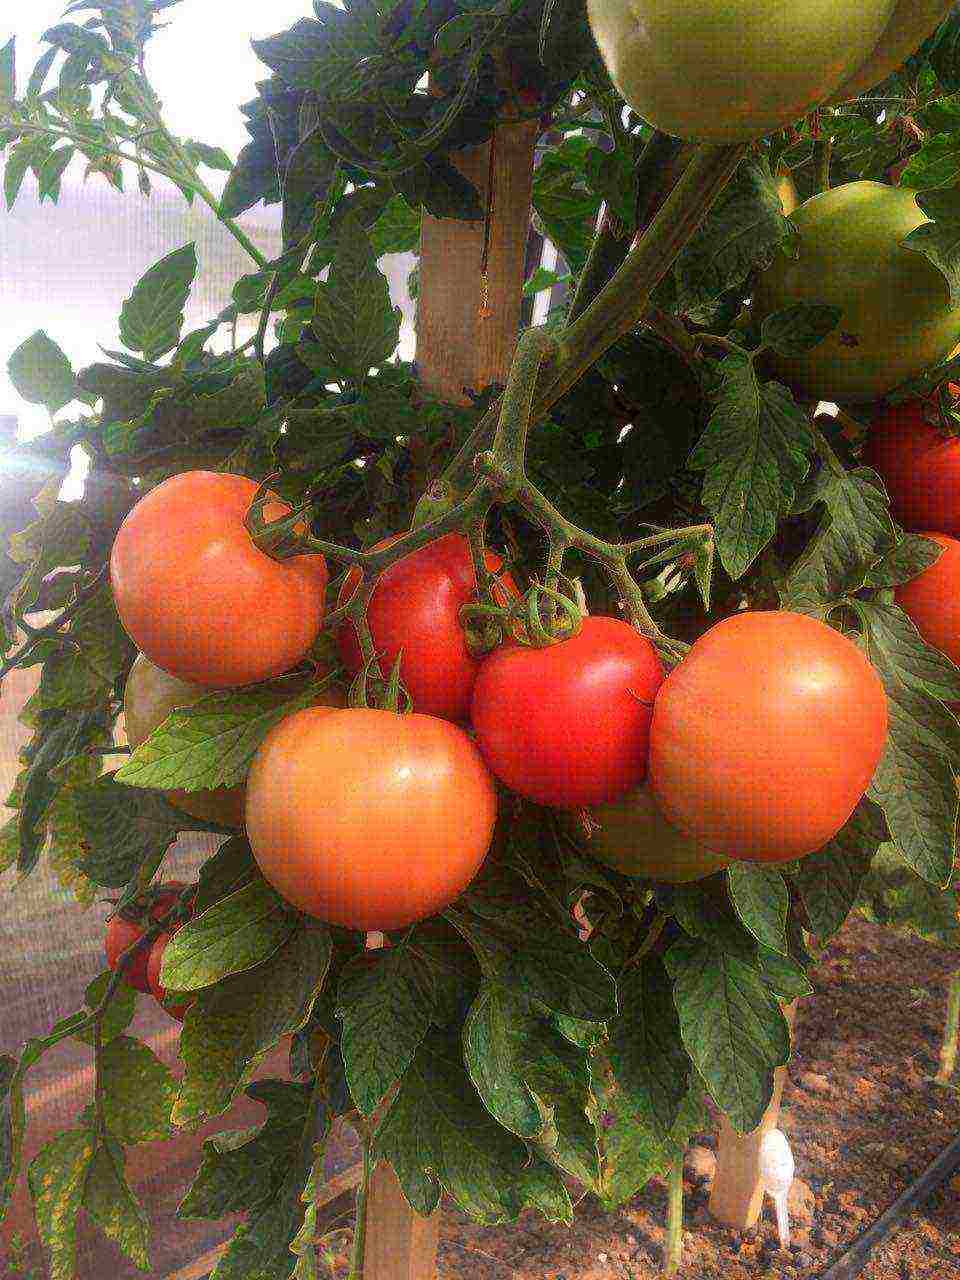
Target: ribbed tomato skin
766, 736
569, 725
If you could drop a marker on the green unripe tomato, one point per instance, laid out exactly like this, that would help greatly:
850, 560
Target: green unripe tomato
896, 317
912, 22
149, 697
633, 837
733, 70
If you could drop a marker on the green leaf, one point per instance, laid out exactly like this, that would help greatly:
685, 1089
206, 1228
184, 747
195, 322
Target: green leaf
325, 54
51, 171
936, 164
755, 451
41, 373
239, 1170
12, 1123
829, 880
743, 229
397, 229
113, 1207
531, 1079
138, 1092
650, 1065
57, 1177
565, 205
437, 186
356, 327
914, 783
152, 317
123, 827
732, 1027
438, 1136
8, 74
761, 900
231, 1026
25, 155
387, 1001
210, 743
544, 279
939, 240
783, 975
905, 560
119, 1012
854, 531
798, 328
703, 910
229, 869
894, 896
212, 157
235, 934
309, 173
633, 1153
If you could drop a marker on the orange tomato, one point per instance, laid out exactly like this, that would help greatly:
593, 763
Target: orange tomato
368, 819
199, 598
766, 736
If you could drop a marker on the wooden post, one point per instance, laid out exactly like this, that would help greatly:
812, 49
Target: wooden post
466, 334
737, 1196
468, 321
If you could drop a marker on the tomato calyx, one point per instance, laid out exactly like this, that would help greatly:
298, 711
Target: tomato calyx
542, 616
941, 409
370, 690
281, 538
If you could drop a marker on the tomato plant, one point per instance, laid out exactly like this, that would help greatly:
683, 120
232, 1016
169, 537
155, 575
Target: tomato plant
645, 451
569, 725
632, 836
897, 317
932, 599
149, 696
369, 819
766, 736
722, 72
128, 927
919, 463
414, 615
190, 585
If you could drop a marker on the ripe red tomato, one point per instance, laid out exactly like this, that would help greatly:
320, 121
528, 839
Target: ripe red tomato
198, 598
632, 836
766, 736
156, 986
123, 933
932, 599
368, 819
414, 610
919, 464
569, 725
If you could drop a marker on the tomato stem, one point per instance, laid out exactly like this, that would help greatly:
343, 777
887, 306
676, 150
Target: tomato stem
673, 1250
951, 1033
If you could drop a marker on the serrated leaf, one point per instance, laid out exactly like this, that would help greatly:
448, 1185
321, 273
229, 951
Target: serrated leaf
386, 1001
138, 1092
309, 173
123, 827
239, 1170
12, 1122
829, 880
210, 744
224, 872
41, 373
894, 896
742, 230
397, 229
732, 1026
905, 560
755, 451
51, 171
24, 156
231, 1026
531, 1080
152, 316
855, 530
113, 1207
650, 1065
936, 164
761, 900
783, 975
235, 934
437, 1135
895, 639
799, 328
354, 322
57, 1178
939, 240
703, 910
8, 74
634, 1153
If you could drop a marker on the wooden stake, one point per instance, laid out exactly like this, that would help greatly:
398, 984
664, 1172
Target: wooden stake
400, 1245
737, 1196
471, 273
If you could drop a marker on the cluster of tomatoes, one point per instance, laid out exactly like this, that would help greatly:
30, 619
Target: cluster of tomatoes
372, 819
141, 967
